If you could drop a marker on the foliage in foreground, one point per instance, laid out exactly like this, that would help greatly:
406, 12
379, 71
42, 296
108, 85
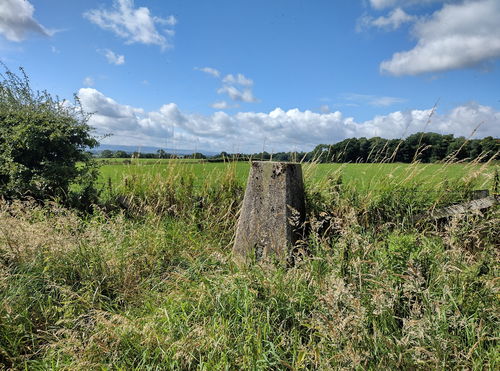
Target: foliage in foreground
154, 285
43, 145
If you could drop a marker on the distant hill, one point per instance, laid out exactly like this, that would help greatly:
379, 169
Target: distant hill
146, 149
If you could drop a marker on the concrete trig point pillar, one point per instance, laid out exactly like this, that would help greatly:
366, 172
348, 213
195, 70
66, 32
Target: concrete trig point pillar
273, 211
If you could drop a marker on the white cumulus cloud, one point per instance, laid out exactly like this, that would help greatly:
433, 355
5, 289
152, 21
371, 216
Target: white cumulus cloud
280, 129
112, 57
16, 20
236, 94
237, 87
107, 113
392, 21
135, 25
457, 36
239, 79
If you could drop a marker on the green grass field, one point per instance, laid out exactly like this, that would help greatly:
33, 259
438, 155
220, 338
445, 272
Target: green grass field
363, 176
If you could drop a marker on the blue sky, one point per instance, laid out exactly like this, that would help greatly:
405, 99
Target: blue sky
279, 74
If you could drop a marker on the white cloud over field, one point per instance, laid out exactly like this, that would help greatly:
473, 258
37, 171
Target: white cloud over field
281, 130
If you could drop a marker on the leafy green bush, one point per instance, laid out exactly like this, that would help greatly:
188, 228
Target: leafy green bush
43, 144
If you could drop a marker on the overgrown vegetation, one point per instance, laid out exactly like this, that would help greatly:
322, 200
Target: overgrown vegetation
147, 280
43, 145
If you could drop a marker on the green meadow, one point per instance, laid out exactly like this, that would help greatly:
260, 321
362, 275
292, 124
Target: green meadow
362, 176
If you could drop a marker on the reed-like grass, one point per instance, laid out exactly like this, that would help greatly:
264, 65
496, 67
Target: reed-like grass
147, 280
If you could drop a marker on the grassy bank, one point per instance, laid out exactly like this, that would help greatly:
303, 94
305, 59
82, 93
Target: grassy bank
148, 282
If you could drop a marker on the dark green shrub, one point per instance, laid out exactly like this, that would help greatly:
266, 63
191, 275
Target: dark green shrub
43, 144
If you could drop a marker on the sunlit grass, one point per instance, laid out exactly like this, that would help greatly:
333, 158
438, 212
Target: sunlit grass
148, 280
363, 176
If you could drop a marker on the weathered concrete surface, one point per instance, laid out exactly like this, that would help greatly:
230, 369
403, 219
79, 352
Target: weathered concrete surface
479, 193
474, 205
463, 208
273, 211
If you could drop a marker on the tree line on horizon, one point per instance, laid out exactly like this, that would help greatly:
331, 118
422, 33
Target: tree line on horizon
423, 147
107, 153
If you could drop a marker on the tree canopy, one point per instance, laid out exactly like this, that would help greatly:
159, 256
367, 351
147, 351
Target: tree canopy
44, 143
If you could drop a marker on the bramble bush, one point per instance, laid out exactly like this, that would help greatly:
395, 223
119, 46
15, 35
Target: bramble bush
44, 145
